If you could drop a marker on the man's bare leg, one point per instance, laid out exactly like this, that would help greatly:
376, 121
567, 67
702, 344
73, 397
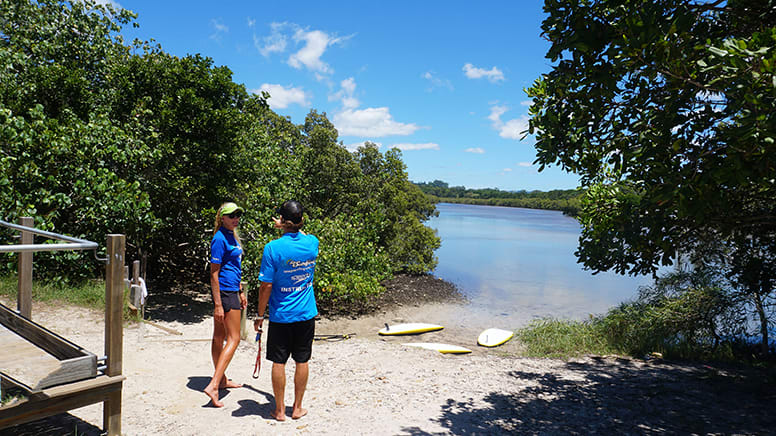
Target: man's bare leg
279, 389
301, 374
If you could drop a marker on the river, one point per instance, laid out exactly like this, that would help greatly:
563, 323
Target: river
516, 265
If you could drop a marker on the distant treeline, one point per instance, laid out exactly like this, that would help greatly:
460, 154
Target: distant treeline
565, 200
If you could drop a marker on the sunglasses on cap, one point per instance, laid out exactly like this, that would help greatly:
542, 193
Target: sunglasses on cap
236, 214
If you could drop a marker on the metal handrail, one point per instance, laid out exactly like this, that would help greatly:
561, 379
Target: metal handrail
72, 244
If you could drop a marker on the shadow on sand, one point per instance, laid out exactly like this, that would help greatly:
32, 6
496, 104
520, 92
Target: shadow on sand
614, 396
57, 425
188, 305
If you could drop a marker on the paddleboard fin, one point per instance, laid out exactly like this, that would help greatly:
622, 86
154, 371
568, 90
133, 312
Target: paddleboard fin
386, 327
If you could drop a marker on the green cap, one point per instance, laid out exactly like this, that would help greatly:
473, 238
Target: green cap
231, 207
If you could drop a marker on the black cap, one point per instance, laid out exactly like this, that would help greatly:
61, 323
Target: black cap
291, 210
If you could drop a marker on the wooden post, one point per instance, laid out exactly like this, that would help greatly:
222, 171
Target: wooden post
24, 296
114, 339
244, 316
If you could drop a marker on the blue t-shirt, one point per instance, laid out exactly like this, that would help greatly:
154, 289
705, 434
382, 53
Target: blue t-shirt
289, 263
225, 251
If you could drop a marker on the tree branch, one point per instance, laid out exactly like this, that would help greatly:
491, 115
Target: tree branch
714, 6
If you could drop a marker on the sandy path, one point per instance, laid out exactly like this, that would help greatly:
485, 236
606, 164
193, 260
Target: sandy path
366, 385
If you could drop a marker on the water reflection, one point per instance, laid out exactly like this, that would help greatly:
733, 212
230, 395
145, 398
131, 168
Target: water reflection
519, 264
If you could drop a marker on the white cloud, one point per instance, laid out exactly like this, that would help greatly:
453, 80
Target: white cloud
496, 112
309, 56
513, 128
113, 3
494, 74
274, 43
425, 146
524, 164
476, 150
251, 22
314, 44
220, 29
354, 147
510, 129
281, 97
346, 94
349, 85
371, 122
437, 82
507, 170
526, 102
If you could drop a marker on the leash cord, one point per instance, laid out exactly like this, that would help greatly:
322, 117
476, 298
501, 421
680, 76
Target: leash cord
333, 338
257, 366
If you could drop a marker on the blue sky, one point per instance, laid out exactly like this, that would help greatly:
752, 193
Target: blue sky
441, 80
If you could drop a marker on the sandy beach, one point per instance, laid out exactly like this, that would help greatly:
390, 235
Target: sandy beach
368, 384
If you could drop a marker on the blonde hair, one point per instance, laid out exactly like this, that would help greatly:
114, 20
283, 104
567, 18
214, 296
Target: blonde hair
217, 225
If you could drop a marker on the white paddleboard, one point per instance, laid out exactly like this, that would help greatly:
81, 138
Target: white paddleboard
494, 337
409, 329
442, 348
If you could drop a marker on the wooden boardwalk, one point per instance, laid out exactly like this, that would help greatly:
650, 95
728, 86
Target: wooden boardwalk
58, 374
35, 358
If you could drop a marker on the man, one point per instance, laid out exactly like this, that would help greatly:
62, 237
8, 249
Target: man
286, 276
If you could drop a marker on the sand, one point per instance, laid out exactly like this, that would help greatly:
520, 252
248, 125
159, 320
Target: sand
374, 385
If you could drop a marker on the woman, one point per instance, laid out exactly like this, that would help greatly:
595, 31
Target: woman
228, 297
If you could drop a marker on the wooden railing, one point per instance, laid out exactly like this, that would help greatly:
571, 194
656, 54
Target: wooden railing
106, 387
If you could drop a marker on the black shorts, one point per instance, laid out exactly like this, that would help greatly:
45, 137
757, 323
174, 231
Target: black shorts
295, 339
230, 300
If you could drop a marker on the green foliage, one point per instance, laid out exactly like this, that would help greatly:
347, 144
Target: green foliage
653, 100
98, 137
64, 171
398, 209
563, 339
566, 200
681, 327
686, 314
58, 54
86, 293
666, 111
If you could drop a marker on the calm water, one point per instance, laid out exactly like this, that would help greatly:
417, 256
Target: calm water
518, 264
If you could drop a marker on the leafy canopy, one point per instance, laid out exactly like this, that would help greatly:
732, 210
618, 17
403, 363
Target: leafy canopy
101, 137
665, 108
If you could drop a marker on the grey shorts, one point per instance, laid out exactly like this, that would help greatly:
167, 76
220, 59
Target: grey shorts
230, 300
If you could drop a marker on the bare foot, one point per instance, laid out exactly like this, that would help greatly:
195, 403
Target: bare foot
213, 394
228, 384
298, 413
280, 416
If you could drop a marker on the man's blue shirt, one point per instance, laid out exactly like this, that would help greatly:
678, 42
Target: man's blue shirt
289, 264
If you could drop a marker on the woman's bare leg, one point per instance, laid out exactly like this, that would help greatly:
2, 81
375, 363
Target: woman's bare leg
216, 346
223, 356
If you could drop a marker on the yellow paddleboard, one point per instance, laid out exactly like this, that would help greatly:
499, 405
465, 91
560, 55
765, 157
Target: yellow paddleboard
442, 348
408, 329
494, 337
